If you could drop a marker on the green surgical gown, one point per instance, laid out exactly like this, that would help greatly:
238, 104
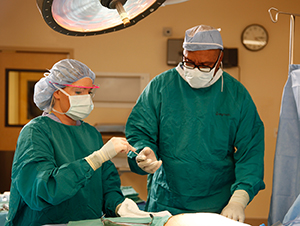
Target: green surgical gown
210, 141
51, 181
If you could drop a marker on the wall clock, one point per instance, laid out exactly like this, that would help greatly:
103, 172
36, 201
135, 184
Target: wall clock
254, 37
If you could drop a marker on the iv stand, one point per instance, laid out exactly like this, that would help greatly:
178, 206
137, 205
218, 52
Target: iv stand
292, 34
292, 29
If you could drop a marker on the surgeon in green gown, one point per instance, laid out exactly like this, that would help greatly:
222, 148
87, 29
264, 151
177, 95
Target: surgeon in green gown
198, 134
61, 170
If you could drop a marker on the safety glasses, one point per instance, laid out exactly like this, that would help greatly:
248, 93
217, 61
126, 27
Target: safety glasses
85, 87
80, 90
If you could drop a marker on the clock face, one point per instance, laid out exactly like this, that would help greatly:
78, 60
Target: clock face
254, 37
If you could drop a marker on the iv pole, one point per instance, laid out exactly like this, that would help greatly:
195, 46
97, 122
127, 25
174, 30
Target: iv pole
292, 34
292, 29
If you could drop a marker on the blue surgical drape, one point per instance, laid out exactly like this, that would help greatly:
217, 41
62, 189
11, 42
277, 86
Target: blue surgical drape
286, 177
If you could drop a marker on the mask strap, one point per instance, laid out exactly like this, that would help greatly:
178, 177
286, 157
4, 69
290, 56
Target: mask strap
222, 83
221, 66
58, 111
64, 92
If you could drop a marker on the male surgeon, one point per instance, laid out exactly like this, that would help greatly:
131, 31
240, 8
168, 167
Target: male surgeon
198, 134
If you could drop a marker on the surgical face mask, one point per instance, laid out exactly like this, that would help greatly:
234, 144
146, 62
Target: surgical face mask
198, 79
80, 106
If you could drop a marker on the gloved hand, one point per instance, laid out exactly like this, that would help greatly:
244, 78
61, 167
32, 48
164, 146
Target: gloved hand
147, 160
236, 206
114, 146
128, 208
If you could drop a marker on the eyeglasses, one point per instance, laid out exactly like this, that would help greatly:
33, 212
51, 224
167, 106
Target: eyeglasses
204, 68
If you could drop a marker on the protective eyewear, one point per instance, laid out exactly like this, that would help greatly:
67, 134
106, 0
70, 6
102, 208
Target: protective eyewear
85, 87
204, 68
81, 90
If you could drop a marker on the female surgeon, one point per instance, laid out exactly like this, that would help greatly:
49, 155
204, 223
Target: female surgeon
60, 170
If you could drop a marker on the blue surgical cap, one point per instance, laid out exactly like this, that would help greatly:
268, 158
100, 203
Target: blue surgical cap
202, 37
63, 72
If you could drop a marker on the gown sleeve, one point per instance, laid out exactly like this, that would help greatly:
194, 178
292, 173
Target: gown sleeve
142, 125
249, 154
111, 188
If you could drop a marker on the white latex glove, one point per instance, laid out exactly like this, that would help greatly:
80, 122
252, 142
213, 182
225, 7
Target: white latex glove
114, 146
236, 206
147, 160
128, 208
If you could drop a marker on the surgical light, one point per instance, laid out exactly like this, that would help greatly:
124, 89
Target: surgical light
94, 17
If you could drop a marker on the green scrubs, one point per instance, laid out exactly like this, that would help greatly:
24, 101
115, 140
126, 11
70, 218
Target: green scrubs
51, 181
210, 141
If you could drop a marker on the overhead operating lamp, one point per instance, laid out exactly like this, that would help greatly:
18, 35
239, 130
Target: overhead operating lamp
94, 17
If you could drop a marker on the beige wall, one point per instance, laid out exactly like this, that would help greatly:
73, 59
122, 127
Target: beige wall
142, 49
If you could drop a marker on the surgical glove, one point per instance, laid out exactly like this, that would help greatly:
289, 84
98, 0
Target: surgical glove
128, 208
114, 146
147, 161
236, 206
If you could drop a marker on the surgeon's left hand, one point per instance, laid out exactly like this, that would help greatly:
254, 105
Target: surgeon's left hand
236, 206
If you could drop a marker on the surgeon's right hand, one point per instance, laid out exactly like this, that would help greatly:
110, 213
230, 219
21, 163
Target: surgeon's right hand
147, 160
114, 146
